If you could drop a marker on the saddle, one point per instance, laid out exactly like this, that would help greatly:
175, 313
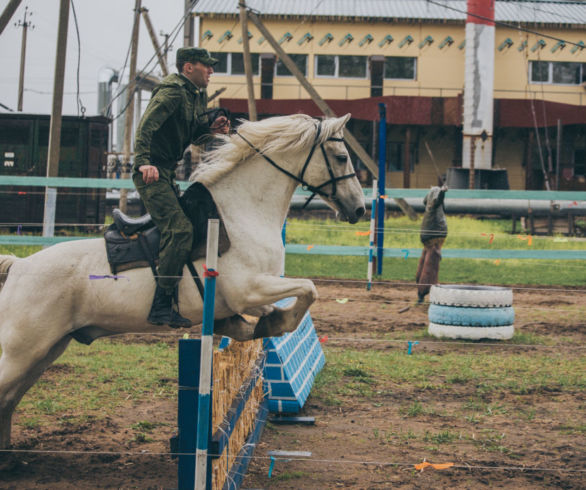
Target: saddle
133, 243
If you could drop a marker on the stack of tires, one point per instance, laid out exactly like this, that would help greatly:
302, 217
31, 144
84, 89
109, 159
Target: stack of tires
471, 312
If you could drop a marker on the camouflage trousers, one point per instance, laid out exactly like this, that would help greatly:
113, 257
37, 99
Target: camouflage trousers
428, 268
160, 199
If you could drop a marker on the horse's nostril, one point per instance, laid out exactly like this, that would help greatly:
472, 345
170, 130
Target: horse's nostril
360, 212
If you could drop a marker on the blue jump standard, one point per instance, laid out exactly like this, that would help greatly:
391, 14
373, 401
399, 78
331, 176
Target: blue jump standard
189, 364
293, 361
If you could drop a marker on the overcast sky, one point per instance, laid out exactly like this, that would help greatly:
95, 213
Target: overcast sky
105, 27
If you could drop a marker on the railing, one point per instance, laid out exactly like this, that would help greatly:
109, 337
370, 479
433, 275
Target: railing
322, 249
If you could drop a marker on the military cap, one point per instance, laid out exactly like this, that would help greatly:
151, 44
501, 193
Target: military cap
193, 55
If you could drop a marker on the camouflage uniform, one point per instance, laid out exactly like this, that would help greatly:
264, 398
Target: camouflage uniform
173, 120
434, 230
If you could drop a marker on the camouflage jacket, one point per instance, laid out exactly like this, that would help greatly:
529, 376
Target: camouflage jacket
174, 118
434, 222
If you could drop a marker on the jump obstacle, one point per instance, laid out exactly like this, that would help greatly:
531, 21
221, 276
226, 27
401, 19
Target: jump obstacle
224, 398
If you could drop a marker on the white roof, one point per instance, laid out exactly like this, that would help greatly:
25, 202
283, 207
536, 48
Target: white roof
535, 12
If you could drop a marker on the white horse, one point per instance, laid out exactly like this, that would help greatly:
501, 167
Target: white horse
48, 296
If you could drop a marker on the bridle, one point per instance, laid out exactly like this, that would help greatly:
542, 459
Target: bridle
306, 186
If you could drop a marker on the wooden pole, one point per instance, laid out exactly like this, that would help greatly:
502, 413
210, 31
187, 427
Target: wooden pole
324, 107
7, 13
53, 151
247, 63
129, 116
160, 55
188, 26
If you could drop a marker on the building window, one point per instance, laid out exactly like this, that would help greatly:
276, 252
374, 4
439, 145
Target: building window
233, 63
300, 61
341, 66
400, 67
238, 63
326, 65
222, 65
352, 66
557, 72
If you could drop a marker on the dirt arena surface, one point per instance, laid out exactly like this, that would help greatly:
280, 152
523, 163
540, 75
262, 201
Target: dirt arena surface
353, 444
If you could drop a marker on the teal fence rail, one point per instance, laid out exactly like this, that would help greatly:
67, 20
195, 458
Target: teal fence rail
70, 182
13, 180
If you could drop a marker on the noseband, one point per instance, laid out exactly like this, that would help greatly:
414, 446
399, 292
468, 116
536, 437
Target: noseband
313, 189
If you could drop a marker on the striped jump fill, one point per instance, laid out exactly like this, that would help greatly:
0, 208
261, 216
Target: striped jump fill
293, 360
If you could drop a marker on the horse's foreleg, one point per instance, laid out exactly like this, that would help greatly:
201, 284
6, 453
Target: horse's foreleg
265, 290
17, 375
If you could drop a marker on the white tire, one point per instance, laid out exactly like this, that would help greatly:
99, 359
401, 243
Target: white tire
472, 296
471, 333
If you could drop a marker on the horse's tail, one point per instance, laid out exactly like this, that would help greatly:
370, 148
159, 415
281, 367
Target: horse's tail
6, 262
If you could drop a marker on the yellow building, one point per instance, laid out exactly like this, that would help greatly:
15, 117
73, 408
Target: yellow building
411, 55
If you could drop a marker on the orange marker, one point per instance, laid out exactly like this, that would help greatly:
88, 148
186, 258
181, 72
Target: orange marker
363, 233
309, 247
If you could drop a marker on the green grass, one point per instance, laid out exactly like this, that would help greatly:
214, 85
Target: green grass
464, 233
400, 232
484, 375
96, 380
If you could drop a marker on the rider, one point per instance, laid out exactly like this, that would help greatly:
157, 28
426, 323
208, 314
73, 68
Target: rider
175, 117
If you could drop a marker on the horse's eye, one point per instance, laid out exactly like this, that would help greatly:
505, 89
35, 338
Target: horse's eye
342, 158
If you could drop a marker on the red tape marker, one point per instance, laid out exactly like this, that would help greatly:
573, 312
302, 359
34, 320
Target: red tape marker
209, 272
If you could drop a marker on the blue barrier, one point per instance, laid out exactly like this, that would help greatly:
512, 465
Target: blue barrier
293, 361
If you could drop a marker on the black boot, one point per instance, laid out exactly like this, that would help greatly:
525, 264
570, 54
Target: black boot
162, 312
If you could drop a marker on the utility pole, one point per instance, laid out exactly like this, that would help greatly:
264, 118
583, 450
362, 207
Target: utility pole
247, 64
25, 25
130, 108
153, 36
7, 13
188, 27
54, 149
166, 46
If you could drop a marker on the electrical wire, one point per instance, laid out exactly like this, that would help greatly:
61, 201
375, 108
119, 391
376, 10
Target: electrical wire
505, 24
143, 72
80, 107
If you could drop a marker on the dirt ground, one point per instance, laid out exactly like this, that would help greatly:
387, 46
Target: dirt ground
345, 451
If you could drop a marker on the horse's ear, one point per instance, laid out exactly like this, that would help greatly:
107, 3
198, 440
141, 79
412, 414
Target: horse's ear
340, 122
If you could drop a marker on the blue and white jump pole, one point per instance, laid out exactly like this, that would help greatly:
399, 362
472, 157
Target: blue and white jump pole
206, 359
382, 170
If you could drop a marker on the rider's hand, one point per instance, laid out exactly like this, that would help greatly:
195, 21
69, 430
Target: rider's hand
221, 125
150, 173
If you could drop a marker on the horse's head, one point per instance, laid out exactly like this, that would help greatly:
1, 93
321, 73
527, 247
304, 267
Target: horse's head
328, 171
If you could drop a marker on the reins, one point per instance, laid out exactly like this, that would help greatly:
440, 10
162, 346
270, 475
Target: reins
313, 189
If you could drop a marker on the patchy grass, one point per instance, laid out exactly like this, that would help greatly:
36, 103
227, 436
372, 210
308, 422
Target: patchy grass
98, 379
485, 374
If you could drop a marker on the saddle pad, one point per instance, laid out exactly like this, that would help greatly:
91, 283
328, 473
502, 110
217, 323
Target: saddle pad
126, 253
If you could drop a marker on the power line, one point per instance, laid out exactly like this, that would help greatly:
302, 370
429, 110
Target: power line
80, 106
142, 73
505, 24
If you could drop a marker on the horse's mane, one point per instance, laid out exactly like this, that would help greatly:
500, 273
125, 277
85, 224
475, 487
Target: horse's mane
292, 133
